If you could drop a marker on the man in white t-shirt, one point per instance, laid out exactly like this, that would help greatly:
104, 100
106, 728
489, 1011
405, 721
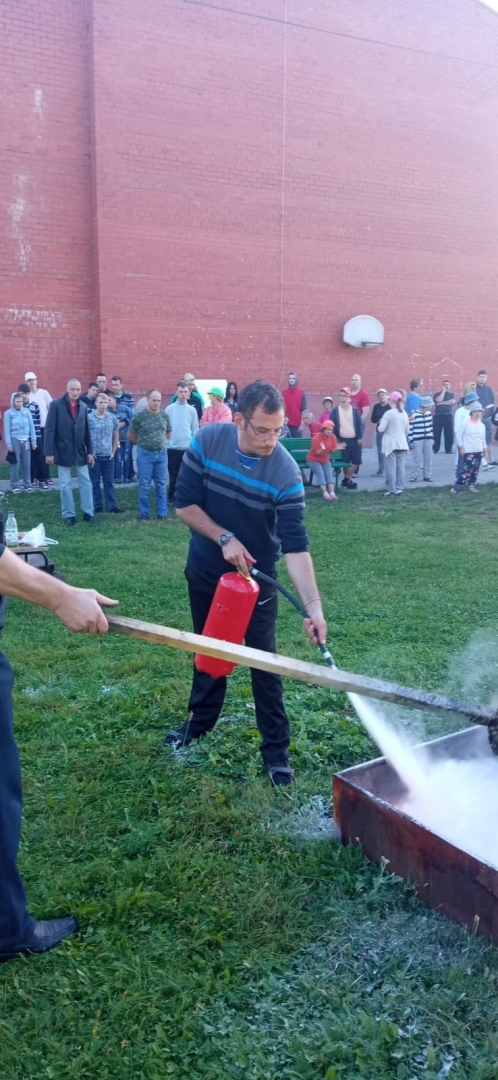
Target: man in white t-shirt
185, 423
43, 399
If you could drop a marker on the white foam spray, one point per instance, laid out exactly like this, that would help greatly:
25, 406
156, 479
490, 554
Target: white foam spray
457, 799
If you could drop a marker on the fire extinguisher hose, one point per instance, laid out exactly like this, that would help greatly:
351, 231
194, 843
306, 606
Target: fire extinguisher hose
259, 576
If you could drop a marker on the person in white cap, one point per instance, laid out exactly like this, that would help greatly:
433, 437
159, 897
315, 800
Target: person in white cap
42, 399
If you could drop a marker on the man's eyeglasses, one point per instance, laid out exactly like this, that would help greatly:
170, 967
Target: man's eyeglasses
264, 433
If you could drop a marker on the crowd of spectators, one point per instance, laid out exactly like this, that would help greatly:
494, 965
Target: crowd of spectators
108, 439
405, 423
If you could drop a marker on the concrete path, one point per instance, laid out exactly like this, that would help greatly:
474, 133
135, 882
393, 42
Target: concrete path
443, 473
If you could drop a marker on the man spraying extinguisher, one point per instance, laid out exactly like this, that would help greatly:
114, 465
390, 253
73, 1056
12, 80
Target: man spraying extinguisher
242, 496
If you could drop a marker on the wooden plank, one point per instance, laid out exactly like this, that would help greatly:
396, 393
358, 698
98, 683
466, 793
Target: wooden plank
289, 668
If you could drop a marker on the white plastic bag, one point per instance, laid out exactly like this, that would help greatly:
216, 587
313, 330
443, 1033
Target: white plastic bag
36, 537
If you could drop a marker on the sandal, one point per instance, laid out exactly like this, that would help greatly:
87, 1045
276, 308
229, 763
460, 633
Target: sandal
280, 775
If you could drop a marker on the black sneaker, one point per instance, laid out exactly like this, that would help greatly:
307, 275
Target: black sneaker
116, 510
89, 518
344, 482
179, 738
70, 521
351, 486
280, 775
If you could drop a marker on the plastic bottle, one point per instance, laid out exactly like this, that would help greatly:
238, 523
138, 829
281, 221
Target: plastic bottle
11, 530
228, 618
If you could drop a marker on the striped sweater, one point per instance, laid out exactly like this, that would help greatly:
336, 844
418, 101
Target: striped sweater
420, 426
260, 500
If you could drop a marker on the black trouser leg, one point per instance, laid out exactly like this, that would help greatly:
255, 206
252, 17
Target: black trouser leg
46, 470
37, 470
15, 923
208, 694
448, 428
271, 716
438, 430
174, 462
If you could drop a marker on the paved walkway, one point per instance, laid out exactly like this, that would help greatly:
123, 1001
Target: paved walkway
443, 472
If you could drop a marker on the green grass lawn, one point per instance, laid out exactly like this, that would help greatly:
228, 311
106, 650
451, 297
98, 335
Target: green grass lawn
225, 934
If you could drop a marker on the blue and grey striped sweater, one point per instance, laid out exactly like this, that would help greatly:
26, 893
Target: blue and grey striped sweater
260, 500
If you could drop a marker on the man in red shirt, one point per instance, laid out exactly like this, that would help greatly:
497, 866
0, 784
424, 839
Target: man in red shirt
295, 405
359, 398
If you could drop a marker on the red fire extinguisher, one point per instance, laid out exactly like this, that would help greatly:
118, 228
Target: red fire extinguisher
228, 618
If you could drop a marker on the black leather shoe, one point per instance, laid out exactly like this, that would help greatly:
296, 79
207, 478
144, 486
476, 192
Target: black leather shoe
90, 518
47, 934
70, 521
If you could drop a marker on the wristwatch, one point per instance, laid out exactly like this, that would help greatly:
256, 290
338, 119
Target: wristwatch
224, 538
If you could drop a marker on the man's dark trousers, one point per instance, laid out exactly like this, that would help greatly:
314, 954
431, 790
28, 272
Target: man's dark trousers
207, 694
443, 424
38, 462
16, 925
174, 461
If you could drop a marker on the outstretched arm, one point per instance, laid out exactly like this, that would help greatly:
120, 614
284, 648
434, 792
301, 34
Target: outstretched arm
302, 574
78, 609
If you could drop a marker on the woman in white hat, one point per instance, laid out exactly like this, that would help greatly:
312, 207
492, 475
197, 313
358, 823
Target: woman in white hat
471, 447
42, 399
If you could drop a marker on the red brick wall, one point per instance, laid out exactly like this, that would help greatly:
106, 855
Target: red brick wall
46, 287
261, 172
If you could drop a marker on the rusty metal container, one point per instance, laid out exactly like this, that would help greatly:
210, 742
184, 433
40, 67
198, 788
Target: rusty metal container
455, 883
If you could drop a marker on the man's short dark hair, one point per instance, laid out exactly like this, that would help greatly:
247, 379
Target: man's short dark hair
94, 384
101, 375
16, 395
23, 388
481, 372
414, 383
182, 385
259, 393
116, 378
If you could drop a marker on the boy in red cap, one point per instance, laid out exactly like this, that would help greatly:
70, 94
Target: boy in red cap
323, 445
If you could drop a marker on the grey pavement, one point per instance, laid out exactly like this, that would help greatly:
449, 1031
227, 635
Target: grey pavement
443, 473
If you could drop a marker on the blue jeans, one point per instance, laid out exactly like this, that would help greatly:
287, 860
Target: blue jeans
122, 462
103, 469
15, 923
322, 471
152, 465
85, 489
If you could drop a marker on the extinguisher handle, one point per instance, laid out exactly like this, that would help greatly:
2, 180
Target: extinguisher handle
258, 574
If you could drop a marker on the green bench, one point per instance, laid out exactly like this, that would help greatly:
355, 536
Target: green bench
299, 448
